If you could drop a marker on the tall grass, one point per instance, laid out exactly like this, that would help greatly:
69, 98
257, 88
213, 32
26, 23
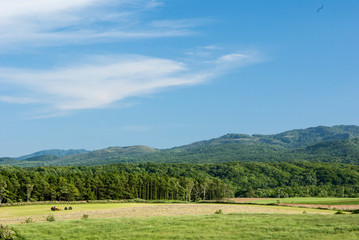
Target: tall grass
216, 226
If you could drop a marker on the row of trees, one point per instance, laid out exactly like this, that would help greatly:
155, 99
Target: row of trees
70, 184
178, 181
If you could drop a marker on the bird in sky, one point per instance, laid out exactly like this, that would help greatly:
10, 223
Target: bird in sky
319, 9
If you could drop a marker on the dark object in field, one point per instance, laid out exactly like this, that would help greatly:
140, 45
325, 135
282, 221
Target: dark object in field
70, 208
65, 208
54, 208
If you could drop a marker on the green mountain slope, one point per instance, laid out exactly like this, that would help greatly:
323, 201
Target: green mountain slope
326, 144
289, 139
53, 152
304, 137
106, 156
7, 161
345, 151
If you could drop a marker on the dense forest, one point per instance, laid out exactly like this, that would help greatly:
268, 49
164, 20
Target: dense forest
189, 182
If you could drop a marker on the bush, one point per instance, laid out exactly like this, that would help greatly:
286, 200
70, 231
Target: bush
339, 212
28, 220
219, 211
6, 233
85, 217
50, 218
355, 211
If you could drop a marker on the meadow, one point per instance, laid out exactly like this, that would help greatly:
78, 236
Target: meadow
214, 226
180, 221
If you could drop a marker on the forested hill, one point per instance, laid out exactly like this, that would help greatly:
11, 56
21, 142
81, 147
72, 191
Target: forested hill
289, 139
317, 144
53, 152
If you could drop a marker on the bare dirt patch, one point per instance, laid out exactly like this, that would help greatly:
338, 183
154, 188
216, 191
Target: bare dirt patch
165, 210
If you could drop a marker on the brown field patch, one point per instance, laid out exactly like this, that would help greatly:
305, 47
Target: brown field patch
167, 210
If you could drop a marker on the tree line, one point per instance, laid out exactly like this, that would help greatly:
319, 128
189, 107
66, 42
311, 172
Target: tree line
96, 183
187, 182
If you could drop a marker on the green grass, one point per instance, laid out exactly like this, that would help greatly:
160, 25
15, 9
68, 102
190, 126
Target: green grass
310, 200
216, 226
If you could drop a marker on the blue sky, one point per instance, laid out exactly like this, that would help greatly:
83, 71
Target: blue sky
98, 73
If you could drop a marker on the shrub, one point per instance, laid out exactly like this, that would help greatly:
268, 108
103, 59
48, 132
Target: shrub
50, 218
85, 217
355, 211
6, 233
219, 211
339, 212
28, 220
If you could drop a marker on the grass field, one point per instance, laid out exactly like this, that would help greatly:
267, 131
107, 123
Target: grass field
182, 221
18, 214
308, 200
214, 226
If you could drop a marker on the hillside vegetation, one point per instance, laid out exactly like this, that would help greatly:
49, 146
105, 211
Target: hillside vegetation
317, 144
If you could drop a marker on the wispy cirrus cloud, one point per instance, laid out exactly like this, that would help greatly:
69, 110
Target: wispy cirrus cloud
51, 22
104, 80
98, 83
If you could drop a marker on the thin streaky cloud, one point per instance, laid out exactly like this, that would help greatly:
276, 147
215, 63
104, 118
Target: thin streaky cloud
233, 57
97, 85
104, 81
53, 22
17, 100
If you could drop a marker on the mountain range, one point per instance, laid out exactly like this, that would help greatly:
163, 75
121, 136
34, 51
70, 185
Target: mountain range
325, 144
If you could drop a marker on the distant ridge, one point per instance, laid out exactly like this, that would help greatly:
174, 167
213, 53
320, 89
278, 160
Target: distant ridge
326, 144
289, 139
53, 152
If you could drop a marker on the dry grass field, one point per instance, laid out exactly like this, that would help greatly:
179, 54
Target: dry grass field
38, 213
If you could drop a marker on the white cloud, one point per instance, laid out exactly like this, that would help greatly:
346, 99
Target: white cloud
233, 57
17, 100
99, 83
49, 22
103, 80
237, 60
